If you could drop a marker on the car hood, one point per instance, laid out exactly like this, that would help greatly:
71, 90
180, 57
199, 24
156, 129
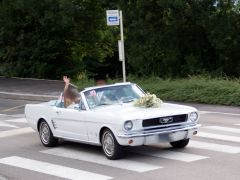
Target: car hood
129, 111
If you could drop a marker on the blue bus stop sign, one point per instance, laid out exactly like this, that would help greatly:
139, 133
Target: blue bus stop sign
112, 17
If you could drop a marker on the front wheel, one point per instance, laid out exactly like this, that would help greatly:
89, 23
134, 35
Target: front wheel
110, 146
180, 144
46, 135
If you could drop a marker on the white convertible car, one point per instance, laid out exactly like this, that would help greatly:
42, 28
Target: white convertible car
106, 116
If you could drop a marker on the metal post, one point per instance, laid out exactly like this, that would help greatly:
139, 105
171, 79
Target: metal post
122, 39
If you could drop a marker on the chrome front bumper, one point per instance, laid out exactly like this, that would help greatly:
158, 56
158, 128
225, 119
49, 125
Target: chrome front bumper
168, 130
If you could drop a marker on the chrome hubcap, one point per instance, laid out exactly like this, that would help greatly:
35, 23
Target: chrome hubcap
108, 144
45, 133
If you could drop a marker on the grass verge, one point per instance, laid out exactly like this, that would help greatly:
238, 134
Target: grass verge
193, 89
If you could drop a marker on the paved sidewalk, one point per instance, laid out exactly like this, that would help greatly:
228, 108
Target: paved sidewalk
30, 89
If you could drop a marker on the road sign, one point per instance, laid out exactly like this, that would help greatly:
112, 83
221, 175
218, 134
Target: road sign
112, 17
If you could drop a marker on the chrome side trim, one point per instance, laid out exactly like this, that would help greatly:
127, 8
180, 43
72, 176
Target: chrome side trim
78, 141
159, 131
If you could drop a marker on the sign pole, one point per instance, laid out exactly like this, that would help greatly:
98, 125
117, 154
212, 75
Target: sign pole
122, 40
113, 18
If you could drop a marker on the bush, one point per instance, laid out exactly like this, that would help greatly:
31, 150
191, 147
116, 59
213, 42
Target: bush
198, 89
194, 89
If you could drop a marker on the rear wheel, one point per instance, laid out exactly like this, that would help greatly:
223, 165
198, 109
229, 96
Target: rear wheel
110, 146
180, 144
46, 135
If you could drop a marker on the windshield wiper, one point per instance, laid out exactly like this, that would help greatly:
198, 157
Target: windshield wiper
127, 100
104, 104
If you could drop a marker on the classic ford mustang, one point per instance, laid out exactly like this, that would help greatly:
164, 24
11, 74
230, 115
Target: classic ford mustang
106, 116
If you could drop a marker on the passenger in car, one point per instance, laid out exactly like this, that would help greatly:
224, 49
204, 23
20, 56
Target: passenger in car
70, 94
100, 80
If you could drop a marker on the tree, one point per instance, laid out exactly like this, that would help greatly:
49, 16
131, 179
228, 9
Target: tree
181, 37
164, 38
50, 38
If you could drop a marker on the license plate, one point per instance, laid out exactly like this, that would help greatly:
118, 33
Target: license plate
175, 136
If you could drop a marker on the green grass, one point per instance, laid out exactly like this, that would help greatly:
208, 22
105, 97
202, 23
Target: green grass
198, 89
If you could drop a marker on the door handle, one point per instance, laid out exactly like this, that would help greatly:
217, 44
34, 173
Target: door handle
58, 112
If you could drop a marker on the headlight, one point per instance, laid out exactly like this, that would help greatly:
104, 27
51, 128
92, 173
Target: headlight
193, 116
128, 125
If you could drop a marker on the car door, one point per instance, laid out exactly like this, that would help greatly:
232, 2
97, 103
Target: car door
70, 123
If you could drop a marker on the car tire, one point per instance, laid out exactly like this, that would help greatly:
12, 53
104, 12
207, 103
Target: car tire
110, 146
46, 135
180, 144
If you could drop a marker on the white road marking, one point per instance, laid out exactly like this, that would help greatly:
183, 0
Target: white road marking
15, 132
13, 108
51, 169
16, 115
101, 159
3, 124
18, 120
173, 155
202, 112
214, 147
2, 178
237, 124
27, 94
219, 136
221, 128
213, 112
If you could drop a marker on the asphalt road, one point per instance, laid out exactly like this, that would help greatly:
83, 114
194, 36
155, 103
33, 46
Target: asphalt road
213, 154
13, 107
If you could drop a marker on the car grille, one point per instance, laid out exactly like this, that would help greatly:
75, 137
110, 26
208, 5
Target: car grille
165, 120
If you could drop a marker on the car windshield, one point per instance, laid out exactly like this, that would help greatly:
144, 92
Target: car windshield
112, 95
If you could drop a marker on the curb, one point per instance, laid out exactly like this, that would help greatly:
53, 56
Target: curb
31, 97
34, 79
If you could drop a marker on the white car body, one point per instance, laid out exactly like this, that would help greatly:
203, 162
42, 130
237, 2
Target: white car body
85, 125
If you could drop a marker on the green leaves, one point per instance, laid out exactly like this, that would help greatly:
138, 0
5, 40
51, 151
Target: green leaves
50, 38
181, 37
164, 38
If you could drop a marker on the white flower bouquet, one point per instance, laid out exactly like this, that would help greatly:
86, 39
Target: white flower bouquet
149, 100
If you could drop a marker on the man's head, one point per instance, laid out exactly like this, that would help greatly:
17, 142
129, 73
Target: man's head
100, 80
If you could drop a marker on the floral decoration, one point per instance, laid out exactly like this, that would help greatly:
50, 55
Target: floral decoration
149, 100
